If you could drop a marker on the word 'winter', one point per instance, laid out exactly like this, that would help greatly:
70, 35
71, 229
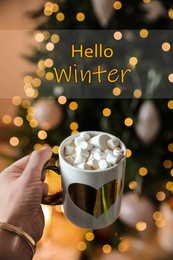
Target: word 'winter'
79, 75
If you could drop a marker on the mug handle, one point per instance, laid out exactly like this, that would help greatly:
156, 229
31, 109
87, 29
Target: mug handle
55, 199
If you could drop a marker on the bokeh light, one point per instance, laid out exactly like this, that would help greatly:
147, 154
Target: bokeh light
60, 17
128, 121
116, 91
107, 249
80, 17
118, 35
106, 112
143, 33
62, 100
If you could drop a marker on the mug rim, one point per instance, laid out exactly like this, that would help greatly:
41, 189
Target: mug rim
90, 132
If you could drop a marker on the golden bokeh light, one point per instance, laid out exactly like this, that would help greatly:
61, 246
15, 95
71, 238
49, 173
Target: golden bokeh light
55, 8
40, 73
37, 146
116, 91
157, 215
33, 123
74, 132
89, 236
81, 246
169, 186
137, 93
48, 63
141, 226
55, 38
170, 77
49, 76
62, 100
117, 5
42, 134
18, 121
107, 249
30, 92
50, 46
160, 223
106, 112
118, 35
166, 46
122, 247
128, 121
170, 147
80, 17
160, 196
14, 141
143, 171
73, 105
133, 185
39, 37
143, 33
170, 13
171, 172
28, 79
167, 164
26, 104
46, 35
41, 64
55, 149
60, 17
170, 104
6, 119
133, 61
74, 126
128, 153
36, 82
16, 100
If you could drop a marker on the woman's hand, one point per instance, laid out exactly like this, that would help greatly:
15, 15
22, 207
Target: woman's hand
21, 192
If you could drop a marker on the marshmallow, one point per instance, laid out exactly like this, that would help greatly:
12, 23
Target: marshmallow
85, 136
117, 151
108, 151
69, 159
119, 157
84, 166
100, 141
98, 156
86, 146
93, 163
94, 150
79, 159
78, 140
68, 150
82, 152
90, 156
110, 158
112, 143
103, 164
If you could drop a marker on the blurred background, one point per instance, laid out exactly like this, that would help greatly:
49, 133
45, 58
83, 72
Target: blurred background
36, 111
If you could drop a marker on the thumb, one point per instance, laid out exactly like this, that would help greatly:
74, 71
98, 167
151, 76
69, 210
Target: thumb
36, 163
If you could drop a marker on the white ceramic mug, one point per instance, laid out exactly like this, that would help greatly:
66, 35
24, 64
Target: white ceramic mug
91, 198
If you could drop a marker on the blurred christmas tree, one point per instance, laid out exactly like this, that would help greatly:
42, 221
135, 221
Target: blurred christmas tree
144, 125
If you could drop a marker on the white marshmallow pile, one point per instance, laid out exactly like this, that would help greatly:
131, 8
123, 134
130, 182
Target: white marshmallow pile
93, 153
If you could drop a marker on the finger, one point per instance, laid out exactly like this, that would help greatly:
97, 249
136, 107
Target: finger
36, 163
19, 165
